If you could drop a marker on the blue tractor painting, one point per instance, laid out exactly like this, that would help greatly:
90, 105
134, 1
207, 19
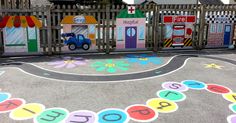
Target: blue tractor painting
76, 41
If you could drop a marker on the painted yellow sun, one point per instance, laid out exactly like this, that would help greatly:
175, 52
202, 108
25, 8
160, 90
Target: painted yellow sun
213, 65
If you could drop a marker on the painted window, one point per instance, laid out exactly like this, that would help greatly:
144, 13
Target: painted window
32, 33
178, 32
213, 28
131, 32
120, 33
227, 28
15, 36
92, 29
168, 31
141, 33
219, 28
81, 38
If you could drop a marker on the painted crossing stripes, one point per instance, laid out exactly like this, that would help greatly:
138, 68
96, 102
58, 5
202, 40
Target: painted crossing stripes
168, 42
188, 42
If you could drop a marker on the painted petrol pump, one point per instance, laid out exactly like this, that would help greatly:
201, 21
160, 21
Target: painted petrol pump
178, 30
178, 35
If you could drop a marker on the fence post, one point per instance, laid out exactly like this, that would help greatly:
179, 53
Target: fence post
156, 30
107, 37
49, 30
202, 26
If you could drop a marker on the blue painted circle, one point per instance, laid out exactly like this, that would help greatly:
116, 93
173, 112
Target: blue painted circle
112, 116
193, 84
4, 96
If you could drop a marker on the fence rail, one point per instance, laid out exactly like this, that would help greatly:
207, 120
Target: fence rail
51, 16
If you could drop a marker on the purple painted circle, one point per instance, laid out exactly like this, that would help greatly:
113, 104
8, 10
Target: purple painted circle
232, 119
175, 86
81, 116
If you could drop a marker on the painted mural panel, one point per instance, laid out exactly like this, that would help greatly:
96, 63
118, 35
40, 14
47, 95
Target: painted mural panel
130, 31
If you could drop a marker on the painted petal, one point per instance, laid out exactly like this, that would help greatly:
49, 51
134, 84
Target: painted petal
79, 63
133, 60
131, 56
79, 59
123, 68
143, 62
101, 69
97, 64
123, 64
56, 63
144, 55
60, 66
70, 65
111, 70
119, 62
109, 61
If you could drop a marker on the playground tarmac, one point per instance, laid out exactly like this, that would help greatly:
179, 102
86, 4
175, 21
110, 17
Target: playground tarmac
142, 87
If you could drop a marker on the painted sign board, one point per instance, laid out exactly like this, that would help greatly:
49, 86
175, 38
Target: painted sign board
180, 19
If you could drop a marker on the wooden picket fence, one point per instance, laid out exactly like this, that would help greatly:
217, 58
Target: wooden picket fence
51, 16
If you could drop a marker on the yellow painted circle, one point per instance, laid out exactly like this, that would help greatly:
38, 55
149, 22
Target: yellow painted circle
27, 111
162, 105
230, 97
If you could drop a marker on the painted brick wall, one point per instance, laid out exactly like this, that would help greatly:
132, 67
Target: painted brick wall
215, 39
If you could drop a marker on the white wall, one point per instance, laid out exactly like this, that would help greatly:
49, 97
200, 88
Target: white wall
232, 1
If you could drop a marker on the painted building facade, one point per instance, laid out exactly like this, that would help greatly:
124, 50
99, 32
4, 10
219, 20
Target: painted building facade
178, 30
85, 25
130, 30
21, 34
221, 30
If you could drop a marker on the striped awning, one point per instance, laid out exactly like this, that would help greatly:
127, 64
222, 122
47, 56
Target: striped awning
20, 21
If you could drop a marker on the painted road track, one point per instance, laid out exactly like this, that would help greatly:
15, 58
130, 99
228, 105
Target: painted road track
174, 64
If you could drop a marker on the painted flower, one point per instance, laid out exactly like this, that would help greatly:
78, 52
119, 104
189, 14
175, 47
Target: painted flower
110, 66
68, 62
144, 59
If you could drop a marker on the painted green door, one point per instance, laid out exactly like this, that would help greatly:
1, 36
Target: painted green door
32, 39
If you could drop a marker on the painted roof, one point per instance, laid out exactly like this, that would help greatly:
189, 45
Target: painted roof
174, 1
124, 14
211, 2
70, 20
20, 21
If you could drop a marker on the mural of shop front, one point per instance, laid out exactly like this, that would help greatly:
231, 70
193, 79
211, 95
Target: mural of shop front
81, 25
178, 30
220, 30
21, 34
130, 30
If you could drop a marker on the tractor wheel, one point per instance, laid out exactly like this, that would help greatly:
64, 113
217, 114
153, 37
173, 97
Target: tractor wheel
85, 46
72, 47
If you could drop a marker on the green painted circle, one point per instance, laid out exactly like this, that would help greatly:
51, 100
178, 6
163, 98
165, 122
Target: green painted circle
233, 107
171, 95
54, 115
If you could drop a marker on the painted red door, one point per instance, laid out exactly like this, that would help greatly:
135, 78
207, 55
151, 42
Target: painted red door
131, 37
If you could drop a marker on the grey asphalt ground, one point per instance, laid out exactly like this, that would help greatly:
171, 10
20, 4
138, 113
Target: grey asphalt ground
200, 106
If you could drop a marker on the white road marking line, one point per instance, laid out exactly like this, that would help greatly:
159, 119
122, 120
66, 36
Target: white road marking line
103, 74
102, 82
2, 72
